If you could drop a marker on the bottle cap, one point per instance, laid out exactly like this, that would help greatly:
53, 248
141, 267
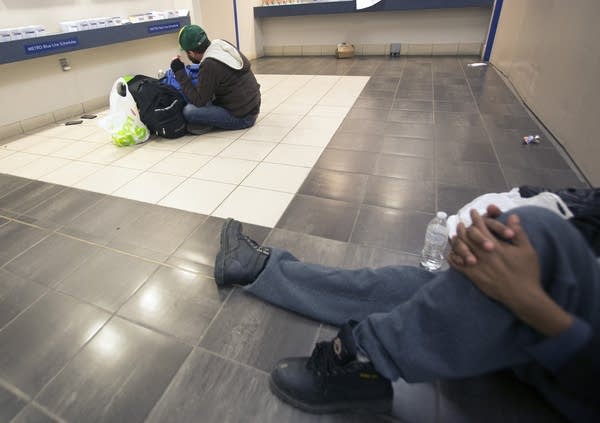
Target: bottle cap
441, 215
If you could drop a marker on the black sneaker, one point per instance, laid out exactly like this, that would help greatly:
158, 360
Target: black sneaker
198, 129
332, 380
240, 259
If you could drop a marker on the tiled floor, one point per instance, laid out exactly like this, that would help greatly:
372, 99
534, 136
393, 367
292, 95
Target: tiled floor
108, 309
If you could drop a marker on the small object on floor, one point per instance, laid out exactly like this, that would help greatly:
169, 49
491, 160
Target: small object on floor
197, 129
476, 65
531, 139
344, 51
89, 116
74, 122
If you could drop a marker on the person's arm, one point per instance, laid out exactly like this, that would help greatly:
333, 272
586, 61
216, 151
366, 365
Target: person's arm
200, 94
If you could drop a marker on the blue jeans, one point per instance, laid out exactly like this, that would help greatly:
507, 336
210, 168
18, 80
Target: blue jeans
216, 116
422, 326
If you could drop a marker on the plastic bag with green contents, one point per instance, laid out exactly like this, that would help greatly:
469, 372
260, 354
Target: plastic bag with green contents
123, 120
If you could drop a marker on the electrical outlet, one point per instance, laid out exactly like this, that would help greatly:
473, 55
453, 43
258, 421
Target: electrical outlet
64, 64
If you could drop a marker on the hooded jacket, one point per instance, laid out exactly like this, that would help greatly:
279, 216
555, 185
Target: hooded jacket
226, 80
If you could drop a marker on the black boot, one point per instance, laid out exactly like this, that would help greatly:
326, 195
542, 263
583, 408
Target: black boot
332, 380
240, 259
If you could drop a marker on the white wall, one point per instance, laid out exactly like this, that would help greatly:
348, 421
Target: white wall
549, 50
414, 26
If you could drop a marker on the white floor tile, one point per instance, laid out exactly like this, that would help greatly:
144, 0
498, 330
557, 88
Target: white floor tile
266, 133
167, 144
329, 111
290, 108
107, 154
5, 153
256, 206
197, 196
14, 161
50, 131
230, 171
77, 132
209, 146
314, 137
248, 150
71, 173
75, 150
100, 136
142, 158
40, 167
295, 155
276, 119
326, 124
181, 164
27, 141
149, 187
277, 177
228, 134
108, 179
48, 146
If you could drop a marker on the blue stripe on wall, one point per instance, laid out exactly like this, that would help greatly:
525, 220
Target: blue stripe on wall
235, 20
493, 27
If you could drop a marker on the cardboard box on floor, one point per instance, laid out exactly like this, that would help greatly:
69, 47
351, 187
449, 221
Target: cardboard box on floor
344, 51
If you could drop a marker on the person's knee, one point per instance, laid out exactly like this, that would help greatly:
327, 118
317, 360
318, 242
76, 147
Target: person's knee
532, 215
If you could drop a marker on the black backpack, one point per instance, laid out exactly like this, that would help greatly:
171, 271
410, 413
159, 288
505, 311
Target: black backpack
160, 106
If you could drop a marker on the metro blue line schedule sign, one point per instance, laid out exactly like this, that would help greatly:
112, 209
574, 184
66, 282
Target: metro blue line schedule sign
170, 27
51, 45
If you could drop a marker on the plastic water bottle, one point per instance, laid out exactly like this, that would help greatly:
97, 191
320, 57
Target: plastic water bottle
436, 239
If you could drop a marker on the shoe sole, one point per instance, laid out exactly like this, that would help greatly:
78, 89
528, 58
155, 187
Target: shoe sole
224, 247
383, 406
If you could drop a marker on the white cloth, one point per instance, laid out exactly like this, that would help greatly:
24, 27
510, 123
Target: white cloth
225, 53
506, 201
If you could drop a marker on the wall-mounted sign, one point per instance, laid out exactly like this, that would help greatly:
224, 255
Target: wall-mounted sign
363, 4
50, 45
153, 29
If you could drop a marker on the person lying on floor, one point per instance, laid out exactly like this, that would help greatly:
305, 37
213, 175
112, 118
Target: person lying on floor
522, 292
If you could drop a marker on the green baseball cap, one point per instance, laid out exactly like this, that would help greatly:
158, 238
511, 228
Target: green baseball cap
191, 37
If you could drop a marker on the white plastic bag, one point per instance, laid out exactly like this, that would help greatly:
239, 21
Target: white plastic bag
123, 120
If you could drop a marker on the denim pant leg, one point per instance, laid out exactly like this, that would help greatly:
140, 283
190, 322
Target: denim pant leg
423, 326
216, 116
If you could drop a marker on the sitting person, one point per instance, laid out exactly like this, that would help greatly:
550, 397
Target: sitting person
227, 95
523, 292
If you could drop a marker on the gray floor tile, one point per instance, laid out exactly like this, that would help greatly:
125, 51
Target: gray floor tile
460, 133
548, 178
10, 404
117, 377
379, 114
448, 151
359, 142
458, 118
449, 106
198, 251
528, 156
157, 233
414, 105
415, 402
362, 126
347, 161
32, 414
358, 256
258, 334
16, 294
27, 196
452, 198
51, 260
176, 302
107, 279
15, 238
415, 147
9, 183
401, 194
411, 130
395, 166
374, 103
498, 397
196, 395
390, 228
308, 248
471, 174
36, 345
61, 209
103, 221
343, 186
410, 116
319, 216
383, 84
